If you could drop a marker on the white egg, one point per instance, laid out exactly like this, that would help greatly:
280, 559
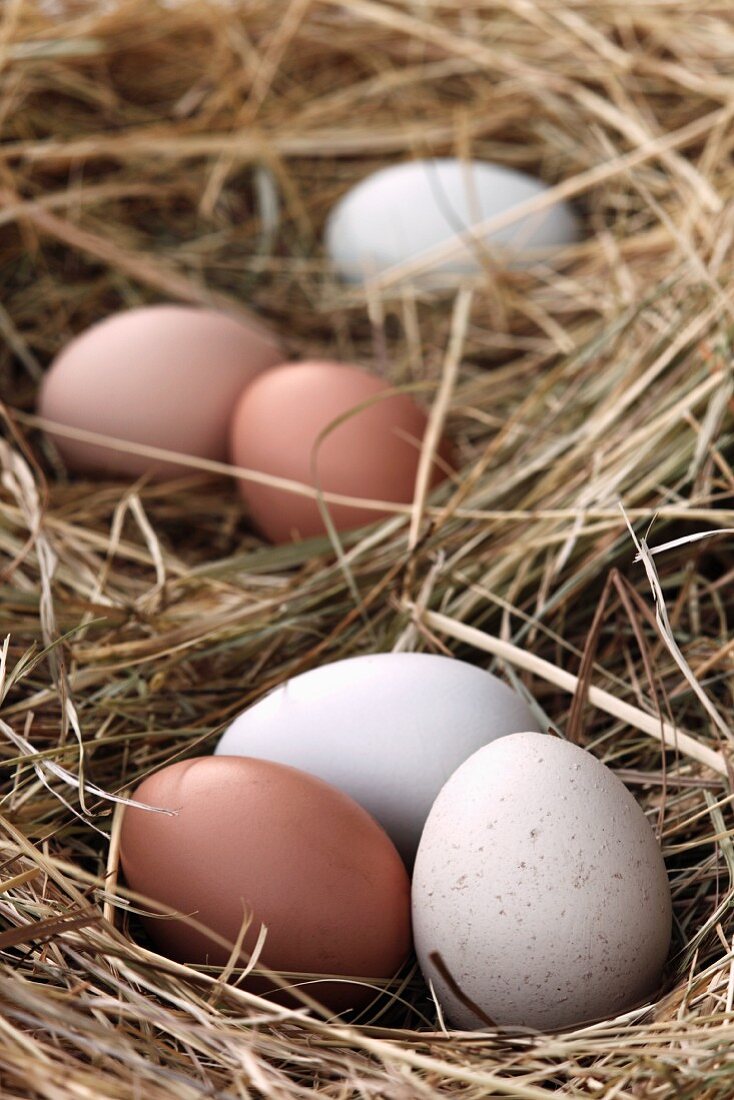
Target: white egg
406, 211
540, 883
387, 729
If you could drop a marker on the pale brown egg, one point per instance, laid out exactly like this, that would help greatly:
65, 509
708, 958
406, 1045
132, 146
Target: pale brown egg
164, 376
303, 858
371, 454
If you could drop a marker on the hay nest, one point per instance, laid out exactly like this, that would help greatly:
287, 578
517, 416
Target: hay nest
191, 152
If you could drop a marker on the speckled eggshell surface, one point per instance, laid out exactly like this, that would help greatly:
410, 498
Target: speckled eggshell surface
540, 882
164, 376
387, 728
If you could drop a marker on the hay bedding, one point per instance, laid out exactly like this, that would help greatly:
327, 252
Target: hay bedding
191, 153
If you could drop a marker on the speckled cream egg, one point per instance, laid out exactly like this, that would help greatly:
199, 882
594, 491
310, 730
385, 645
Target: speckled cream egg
386, 728
408, 212
164, 376
334, 427
541, 886
251, 838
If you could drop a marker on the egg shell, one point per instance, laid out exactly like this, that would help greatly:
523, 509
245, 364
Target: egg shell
541, 885
308, 862
372, 454
388, 729
164, 376
400, 212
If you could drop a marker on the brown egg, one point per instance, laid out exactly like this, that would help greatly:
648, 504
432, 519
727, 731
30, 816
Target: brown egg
165, 376
302, 857
373, 454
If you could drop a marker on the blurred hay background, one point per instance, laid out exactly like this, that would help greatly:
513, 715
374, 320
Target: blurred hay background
191, 152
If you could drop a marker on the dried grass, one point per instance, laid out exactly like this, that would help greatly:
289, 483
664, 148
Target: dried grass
192, 152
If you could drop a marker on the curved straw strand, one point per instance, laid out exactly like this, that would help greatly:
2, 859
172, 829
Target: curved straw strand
656, 728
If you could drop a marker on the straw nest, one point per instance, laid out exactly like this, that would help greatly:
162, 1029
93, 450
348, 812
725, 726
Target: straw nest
191, 152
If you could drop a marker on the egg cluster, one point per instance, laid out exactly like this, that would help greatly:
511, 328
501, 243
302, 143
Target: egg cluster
386, 800
539, 893
170, 381
176, 380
